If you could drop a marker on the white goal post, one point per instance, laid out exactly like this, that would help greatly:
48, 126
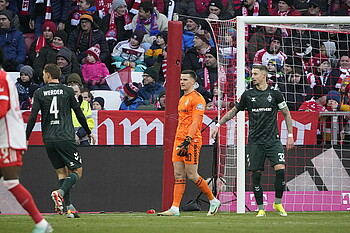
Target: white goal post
241, 53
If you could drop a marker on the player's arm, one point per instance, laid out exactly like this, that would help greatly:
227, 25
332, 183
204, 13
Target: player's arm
228, 116
288, 119
4, 98
33, 115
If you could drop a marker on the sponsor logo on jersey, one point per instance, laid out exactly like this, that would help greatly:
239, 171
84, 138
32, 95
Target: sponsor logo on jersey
253, 99
200, 107
186, 103
269, 98
261, 109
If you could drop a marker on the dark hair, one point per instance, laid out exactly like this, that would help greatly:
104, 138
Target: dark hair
84, 89
261, 68
191, 73
53, 70
147, 6
90, 2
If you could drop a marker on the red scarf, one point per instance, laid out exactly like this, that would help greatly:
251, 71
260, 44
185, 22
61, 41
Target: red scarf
284, 31
40, 42
55, 47
245, 13
112, 32
135, 7
48, 11
25, 7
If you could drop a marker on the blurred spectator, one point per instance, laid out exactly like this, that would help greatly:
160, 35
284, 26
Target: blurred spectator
194, 57
272, 51
86, 94
261, 39
94, 71
161, 66
134, 5
151, 88
130, 53
48, 31
314, 9
74, 79
295, 90
98, 103
180, 7
12, 43
82, 7
15, 19
81, 137
275, 75
156, 49
216, 10
333, 100
328, 48
192, 26
85, 36
151, 21
342, 71
131, 100
56, 11
202, 5
161, 101
26, 87
49, 53
252, 8
64, 60
344, 10
117, 24
315, 104
208, 75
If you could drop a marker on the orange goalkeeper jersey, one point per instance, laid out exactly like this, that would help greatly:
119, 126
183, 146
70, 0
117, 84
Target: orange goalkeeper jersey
191, 110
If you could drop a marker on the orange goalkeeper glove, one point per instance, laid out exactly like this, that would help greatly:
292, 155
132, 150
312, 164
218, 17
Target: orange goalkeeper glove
183, 148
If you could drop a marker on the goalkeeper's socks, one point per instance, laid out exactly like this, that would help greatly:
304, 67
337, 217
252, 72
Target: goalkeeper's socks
68, 183
214, 201
278, 201
203, 186
65, 195
179, 189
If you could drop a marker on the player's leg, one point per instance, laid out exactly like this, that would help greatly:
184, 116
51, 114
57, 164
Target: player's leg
277, 160
24, 198
179, 189
255, 164
191, 165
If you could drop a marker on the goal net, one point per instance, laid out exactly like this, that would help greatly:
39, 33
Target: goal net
307, 57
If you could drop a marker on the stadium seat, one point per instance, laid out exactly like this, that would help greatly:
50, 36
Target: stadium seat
28, 40
112, 98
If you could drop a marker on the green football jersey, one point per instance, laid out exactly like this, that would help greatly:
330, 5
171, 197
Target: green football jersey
262, 107
55, 102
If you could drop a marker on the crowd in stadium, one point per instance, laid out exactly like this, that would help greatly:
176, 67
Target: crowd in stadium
91, 39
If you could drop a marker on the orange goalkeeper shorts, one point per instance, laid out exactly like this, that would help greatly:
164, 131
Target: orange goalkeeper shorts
193, 151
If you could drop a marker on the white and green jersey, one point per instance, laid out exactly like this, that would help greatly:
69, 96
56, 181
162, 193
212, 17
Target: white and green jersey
262, 107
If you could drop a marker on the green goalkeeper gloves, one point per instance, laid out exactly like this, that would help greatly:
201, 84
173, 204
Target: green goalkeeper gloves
183, 148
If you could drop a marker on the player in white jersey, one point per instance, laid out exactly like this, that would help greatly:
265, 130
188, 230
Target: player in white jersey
12, 146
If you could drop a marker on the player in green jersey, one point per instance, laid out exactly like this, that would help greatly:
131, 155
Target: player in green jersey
262, 103
55, 101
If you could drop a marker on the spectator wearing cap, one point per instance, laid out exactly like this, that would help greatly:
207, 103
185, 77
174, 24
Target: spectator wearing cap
285, 8
12, 43
64, 61
74, 79
344, 10
272, 51
274, 75
151, 87
319, 78
151, 55
117, 24
129, 53
161, 101
56, 11
98, 103
94, 71
45, 39
333, 100
194, 57
192, 26
314, 8
202, 5
131, 99
85, 36
151, 21
216, 10
15, 19
83, 7
24, 84
262, 39
252, 8
134, 5
48, 54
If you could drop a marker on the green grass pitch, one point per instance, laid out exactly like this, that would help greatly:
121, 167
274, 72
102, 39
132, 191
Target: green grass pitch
192, 222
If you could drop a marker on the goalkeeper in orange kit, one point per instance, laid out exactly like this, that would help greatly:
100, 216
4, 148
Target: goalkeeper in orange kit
187, 145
